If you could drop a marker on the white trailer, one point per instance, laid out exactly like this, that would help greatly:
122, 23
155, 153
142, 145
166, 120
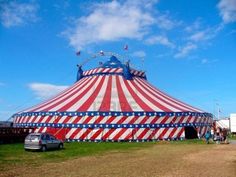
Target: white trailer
232, 123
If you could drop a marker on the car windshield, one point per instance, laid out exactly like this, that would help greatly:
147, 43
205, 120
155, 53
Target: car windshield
33, 137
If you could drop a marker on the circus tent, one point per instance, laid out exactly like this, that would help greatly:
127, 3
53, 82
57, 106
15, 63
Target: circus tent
113, 102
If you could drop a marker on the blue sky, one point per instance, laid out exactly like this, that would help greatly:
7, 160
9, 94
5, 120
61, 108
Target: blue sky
187, 48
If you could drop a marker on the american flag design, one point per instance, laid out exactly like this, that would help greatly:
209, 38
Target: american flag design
104, 106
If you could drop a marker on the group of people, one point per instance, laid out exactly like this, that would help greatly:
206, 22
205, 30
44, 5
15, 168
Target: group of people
217, 135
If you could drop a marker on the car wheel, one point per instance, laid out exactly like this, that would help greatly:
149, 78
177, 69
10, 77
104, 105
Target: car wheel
44, 148
60, 146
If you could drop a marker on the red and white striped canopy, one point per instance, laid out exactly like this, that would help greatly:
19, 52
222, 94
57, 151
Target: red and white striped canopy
106, 89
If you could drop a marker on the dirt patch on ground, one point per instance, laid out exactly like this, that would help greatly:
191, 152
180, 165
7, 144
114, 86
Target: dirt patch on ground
164, 160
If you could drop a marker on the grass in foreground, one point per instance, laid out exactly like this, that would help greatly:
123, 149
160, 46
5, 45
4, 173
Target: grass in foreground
14, 154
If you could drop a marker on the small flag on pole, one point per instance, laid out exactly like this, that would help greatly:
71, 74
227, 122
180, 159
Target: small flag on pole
78, 53
126, 47
101, 53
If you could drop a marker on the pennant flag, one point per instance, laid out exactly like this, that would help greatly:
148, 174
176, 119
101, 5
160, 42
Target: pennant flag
78, 53
101, 53
126, 47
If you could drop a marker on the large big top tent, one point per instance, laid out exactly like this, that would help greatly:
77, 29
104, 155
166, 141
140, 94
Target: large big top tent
114, 102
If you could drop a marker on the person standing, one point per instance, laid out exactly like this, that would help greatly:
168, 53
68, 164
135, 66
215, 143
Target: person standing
207, 136
212, 134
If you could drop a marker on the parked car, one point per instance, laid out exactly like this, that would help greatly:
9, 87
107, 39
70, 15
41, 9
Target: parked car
42, 141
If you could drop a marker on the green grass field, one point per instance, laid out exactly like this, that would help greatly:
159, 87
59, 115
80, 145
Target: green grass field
14, 154
171, 158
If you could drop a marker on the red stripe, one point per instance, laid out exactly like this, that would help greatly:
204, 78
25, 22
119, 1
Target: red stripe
155, 120
77, 130
160, 106
106, 102
143, 133
144, 120
40, 119
189, 118
96, 134
66, 120
56, 120
92, 97
110, 131
174, 119
121, 120
48, 119
180, 132
124, 105
153, 133
85, 133
111, 119
99, 119
76, 120
119, 134
181, 119
138, 100
33, 120
133, 119
160, 98
163, 133
86, 121
168, 97
172, 133
164, 120
72, 102
129, 136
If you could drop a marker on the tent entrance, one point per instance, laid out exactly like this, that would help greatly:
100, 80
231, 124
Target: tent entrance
190, 132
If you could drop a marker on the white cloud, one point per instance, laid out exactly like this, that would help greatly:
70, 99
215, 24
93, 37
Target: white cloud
206, 34
193, 27
111, 21
184, 51
227, 10
45, 90
163, 40
199, 36
165, 22
208, 61
140, 54
16, 14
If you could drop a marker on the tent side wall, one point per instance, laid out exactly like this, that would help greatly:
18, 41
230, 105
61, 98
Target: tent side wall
116, 128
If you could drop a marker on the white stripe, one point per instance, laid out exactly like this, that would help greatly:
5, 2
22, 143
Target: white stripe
128, 96
115, 102
98, 100
71, 131
167, 134
81, 132
106, 70
72, 119
145, 100
126, 133
61, 119
85, 97
128, 119
139, 119
181, 104
155, 97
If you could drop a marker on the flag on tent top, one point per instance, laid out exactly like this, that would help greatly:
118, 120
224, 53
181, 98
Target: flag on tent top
126, 47
78, 53
101, 53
